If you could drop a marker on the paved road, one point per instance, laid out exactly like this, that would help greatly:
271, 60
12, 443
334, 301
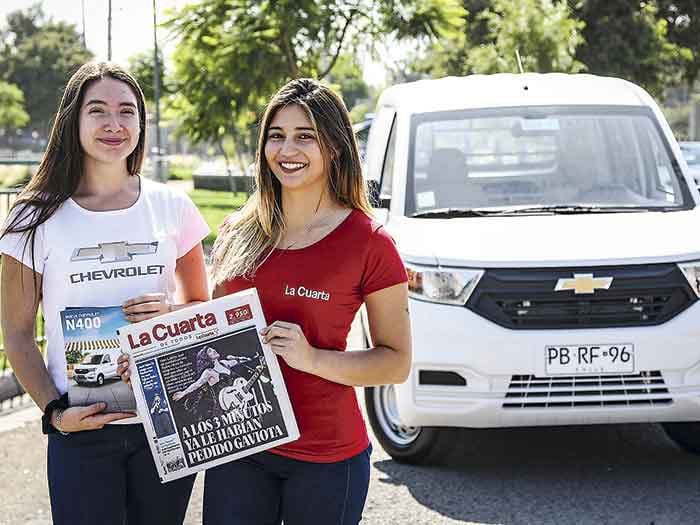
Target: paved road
617, 474
625, 474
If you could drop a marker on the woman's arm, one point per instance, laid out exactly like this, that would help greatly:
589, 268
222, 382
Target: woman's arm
203, 379
20, 301
388, 362
192, 288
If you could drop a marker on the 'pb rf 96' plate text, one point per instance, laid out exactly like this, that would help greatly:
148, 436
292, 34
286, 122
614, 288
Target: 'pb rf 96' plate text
589, 359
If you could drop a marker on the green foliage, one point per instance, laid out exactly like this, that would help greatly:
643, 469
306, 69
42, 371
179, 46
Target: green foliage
543, 32
181, 167
683, 25
74, 356
141, 65
360, 111
629, 40
233, 54
346, 79
215, 206
678, 119
13, 176
12, 113
39, 55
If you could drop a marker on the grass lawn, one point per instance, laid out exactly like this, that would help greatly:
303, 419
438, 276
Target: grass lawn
215, 206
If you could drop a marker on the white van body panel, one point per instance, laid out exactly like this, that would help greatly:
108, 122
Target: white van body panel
534, 240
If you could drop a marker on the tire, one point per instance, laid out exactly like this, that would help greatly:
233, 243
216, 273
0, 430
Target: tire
686, 435
100, 380
412, 445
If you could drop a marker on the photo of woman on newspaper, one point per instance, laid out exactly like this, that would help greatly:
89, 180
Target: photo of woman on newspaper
160, 416
223, 383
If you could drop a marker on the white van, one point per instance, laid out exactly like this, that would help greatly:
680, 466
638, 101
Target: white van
97, 366
550, 235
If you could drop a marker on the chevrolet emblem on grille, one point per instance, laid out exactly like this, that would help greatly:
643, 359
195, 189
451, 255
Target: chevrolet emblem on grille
583, 283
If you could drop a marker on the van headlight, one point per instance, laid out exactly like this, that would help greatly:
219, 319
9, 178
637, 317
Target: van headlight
442, 285
691, 270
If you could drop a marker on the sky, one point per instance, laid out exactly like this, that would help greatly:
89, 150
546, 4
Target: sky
132, 26
132, 22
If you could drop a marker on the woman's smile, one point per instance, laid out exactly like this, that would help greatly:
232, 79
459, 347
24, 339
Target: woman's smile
292, 167
112, 141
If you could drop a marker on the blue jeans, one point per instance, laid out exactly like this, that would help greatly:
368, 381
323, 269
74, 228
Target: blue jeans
108, 477
264, 489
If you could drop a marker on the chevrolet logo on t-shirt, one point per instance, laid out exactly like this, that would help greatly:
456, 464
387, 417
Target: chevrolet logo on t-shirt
112, 252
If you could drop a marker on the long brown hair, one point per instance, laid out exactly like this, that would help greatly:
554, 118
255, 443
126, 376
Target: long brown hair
61, 167
245, 240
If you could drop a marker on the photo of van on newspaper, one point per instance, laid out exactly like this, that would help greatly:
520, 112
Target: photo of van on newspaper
92, 348
207, 388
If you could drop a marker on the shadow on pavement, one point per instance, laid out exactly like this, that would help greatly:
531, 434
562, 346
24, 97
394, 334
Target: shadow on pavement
562, 475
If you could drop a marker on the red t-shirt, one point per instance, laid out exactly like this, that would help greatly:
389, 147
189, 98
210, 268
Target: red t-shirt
320, 288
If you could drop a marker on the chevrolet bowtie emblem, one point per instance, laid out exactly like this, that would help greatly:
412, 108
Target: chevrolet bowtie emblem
111, 252
583, 283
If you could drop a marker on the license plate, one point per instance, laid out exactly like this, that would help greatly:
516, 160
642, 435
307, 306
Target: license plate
589, 359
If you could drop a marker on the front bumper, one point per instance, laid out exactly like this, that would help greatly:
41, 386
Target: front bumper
491, 359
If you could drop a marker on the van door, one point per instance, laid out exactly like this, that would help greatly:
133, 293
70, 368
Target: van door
109, 366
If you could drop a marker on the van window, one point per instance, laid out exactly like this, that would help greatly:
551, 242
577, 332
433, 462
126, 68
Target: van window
388, 168
377, 143
92, 359
592, 156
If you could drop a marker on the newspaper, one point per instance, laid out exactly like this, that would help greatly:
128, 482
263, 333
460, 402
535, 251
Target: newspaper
92, 347
207, 389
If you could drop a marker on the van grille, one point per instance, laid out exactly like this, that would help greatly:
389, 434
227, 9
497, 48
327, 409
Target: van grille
620, 390
640, 295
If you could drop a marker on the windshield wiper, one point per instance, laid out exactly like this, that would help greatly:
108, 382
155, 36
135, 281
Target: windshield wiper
449, 213
563, 209
573, 209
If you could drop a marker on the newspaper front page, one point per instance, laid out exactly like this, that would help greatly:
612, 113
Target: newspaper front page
207, 389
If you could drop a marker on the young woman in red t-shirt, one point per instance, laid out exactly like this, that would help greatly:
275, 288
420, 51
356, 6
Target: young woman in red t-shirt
306, 241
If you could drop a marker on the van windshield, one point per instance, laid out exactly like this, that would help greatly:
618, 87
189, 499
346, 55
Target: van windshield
599, 157
92, 359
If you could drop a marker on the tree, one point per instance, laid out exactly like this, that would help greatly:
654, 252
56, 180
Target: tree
629, 40
233, 54
12, 113
346, 78
683, 26
141, 66
543, 32
39, 55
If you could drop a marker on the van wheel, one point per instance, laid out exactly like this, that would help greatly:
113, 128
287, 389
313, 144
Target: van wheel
100, 380
686, 435
405, 444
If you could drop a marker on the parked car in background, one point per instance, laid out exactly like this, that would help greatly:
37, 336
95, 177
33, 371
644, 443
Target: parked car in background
550, 237
691, 153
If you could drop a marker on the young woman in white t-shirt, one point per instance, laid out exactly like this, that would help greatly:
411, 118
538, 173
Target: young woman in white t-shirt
89, 231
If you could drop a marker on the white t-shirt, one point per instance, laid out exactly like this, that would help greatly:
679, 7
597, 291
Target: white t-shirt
103, 258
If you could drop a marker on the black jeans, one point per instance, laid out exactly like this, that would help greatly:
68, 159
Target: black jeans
108, 477
264, 489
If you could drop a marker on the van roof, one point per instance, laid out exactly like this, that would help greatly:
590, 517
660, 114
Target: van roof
508, 90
